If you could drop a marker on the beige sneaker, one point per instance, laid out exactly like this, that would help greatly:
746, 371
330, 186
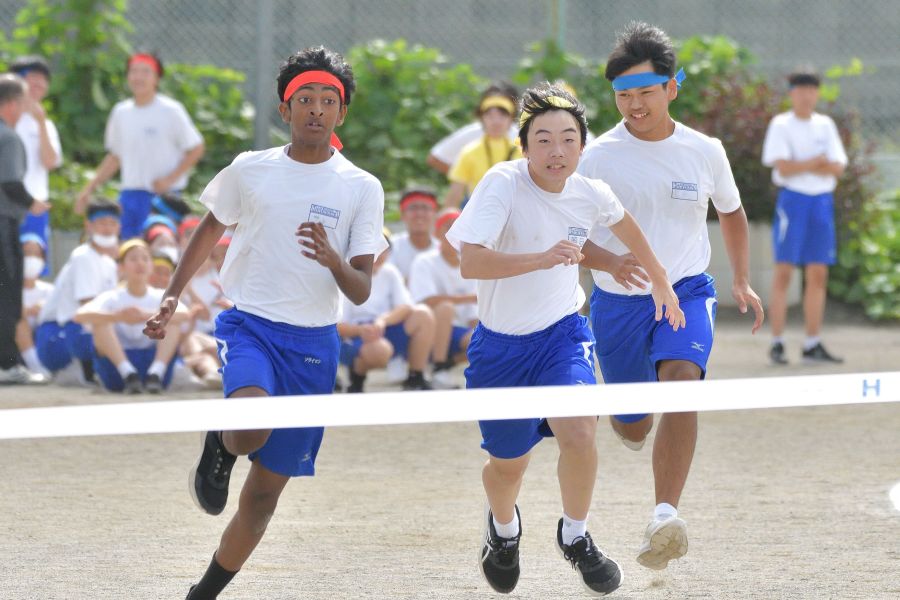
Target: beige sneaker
665, 540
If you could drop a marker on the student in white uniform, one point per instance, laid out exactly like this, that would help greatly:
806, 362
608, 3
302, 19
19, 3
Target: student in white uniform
152, 139
804, 149
127, 360
436, 282
385, 325
308, 226
43, 152
418, 207
35, 293
521, 236
665, 174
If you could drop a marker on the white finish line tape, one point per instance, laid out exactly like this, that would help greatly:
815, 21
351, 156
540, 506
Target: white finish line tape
392, 408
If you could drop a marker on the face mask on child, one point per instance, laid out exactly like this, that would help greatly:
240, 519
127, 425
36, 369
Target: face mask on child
34, 266
105, 241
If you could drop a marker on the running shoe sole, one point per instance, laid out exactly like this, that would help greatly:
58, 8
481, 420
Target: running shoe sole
668, 542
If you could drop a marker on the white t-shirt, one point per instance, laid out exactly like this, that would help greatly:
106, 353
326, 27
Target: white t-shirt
433, 276
509, 213
36, 296
37, 177
208, 287
448, 149
388, 292
150, 140
403, 252
792, 138
267, 195
85, 275
130, 336
666, 186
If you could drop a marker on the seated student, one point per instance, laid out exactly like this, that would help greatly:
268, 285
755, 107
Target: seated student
127, 360
496, 111
435, 280
34, 294
418, 206
384, 325
89, 271
206, 288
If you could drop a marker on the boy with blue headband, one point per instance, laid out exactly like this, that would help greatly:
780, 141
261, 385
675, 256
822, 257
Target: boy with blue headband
665, 174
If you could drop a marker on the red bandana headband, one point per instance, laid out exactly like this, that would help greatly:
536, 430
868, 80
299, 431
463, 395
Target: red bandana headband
147, 59
322, 77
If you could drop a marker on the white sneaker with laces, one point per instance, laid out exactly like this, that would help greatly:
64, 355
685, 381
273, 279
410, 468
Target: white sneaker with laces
665, 540
397, 370
19, 375
443, 380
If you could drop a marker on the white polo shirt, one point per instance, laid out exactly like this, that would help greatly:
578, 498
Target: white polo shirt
666, 186
509, 213
388, 292
150, 140
130, 336
267, 195
431, 275
85, 275
791, 138
37, 177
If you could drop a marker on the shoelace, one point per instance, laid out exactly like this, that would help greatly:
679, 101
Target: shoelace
583, 550
504, 549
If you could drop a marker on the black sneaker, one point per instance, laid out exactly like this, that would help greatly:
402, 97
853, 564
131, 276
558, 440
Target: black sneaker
818, 354
133, 384
776, 354
208, 479
153, 384
499, 557
599, 574
416, 381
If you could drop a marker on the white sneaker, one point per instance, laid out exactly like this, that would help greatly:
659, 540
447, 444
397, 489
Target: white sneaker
19, 375
443, 380
664, 540
70, 376
397, 370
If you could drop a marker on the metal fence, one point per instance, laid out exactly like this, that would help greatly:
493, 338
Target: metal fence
492, 35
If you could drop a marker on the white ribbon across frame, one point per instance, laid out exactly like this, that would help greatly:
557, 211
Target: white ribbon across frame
394, 408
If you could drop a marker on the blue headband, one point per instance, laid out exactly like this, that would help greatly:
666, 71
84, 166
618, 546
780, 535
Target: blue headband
158, 220
626, 82
99, 214
163, 207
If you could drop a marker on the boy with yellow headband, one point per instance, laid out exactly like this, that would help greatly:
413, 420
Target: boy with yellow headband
496, 111
307, 227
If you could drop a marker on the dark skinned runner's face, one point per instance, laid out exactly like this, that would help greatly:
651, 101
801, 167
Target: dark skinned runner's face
313, 112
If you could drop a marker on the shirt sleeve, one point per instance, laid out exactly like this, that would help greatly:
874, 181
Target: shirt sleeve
725, 197
775, 145
12, 167
187, 137
610, 211
223, 195
87, 279
53, 134
400, 296
461, 171
485, 215
112, 137
836, 152
366, 230
422, 284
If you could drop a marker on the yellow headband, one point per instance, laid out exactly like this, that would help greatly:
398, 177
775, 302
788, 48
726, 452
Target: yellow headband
497, 102
130, 245
556, 101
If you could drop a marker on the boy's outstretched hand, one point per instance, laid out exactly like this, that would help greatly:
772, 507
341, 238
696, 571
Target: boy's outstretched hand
156, 325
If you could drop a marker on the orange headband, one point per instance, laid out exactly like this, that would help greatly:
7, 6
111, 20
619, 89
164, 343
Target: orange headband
146, 59
447, 216
323, 77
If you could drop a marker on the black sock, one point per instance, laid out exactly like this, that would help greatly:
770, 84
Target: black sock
444, 365
212, 583
415, 376
87, 369
356, 381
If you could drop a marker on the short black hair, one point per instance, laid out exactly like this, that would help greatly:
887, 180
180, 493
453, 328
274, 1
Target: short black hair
536, 101
154, 54
639, 43
102, 205
318, 58
804, 77
12, 87
499, 88
32, 62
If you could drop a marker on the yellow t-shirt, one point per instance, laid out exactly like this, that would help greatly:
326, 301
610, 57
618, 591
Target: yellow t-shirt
479, 156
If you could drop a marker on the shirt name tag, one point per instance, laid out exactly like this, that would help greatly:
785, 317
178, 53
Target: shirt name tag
685, 191
578, 235
328, 217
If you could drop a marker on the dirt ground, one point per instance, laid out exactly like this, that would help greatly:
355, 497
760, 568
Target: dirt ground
789, 503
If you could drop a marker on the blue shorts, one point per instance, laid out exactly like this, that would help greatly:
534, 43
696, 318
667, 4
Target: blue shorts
562, 354
141, 359
58, 344
136, 205
630, 343
803, 229
284, 360
400, 341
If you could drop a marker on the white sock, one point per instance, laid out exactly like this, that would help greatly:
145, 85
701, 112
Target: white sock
31, 360
158, 368
664, 510
125, 369
810, 342
572, 529
507, 530
777, 339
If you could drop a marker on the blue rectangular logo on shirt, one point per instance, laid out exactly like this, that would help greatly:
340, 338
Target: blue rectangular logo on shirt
328, 217
685, 191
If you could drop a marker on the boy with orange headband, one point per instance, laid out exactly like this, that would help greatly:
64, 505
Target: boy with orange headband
152, 139
496, 111
307, 227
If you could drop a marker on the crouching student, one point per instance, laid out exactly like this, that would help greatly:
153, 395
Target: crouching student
385, 325
127, 360
34, 294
